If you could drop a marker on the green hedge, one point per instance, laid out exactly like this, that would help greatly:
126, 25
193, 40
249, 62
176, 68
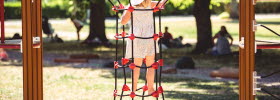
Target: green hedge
268, 7
13, 11
55, 12
52, 12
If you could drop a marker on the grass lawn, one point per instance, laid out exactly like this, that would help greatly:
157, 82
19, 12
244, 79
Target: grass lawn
61, 83
186, 28
67, 83
269, 58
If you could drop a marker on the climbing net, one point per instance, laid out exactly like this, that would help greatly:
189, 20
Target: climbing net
268, 45
129, 63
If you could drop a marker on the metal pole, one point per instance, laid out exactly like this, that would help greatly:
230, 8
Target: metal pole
2, 19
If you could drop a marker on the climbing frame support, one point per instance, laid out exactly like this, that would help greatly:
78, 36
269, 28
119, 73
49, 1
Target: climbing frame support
32, 57
246, 55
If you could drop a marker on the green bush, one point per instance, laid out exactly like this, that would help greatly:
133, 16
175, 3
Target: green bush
52, 10
12, 10
267, 7
55, 12
224, 15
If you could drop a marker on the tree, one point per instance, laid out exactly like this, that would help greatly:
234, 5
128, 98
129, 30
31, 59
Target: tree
202, 14
78, 9
97, 17
234, 11
97, 21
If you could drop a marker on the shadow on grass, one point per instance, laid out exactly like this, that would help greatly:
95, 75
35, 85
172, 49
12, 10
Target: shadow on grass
267, 60
192, 89
198, 96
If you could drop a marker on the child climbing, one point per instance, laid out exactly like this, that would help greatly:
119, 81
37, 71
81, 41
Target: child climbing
143, 26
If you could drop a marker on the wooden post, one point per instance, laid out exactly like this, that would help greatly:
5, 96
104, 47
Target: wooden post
32, 57
247, 54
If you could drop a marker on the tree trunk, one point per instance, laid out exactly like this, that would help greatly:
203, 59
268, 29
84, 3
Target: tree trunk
202, 15
97, 21
234, 11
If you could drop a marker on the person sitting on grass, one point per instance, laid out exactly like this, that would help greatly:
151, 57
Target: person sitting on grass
79, 25
58, 39
222, 47
167, 38
16, 36
3, 55
178, 43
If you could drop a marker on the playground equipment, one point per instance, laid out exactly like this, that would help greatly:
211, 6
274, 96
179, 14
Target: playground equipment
30, 45
84, 56
32, 57
57, 60
129, 63
248, 76
268, 45
12, 44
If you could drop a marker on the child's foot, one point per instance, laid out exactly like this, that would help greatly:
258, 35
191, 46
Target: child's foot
151, 91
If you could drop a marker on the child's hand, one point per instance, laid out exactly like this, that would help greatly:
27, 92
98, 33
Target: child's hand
126, 16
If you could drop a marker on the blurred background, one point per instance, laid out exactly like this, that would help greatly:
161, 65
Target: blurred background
79, 50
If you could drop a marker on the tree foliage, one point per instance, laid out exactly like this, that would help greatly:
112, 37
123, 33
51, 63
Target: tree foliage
79, 8
181, 4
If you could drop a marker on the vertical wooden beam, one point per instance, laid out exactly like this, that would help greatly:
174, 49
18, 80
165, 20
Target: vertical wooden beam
247, 54
242, 31
27, 85
32, 57
40, 50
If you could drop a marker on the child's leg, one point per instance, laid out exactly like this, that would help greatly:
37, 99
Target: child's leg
78, 32
136, 74
150, 74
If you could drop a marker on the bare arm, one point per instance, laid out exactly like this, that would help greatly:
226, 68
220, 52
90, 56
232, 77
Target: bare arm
230, 37
154, 3
125, 17
213, 39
